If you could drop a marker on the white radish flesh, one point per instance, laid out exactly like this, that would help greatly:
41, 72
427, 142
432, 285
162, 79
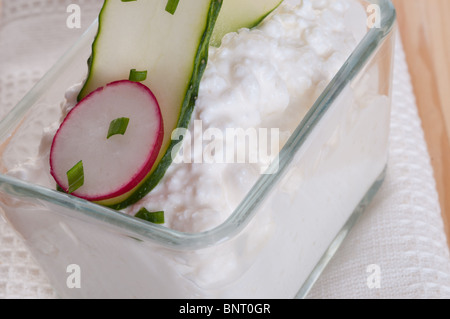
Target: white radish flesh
116, 165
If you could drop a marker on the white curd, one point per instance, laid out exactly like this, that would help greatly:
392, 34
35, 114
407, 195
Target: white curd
268, 77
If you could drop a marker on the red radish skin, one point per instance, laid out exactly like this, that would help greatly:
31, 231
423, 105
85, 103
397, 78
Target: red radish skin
66, 139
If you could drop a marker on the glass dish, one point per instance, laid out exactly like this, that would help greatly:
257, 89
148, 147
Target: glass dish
267, 235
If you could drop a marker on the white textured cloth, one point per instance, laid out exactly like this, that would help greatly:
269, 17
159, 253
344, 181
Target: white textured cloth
398, 248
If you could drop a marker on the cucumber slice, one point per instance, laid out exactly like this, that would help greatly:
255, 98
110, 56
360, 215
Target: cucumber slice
173, 49
237, 14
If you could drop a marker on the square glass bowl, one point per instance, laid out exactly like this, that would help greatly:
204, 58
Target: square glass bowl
277, 241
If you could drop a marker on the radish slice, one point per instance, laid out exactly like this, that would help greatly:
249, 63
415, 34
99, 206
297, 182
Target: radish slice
110, 141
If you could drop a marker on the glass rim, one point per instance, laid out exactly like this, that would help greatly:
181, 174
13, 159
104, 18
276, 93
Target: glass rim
245, 211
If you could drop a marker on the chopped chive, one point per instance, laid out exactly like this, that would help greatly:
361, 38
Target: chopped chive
137, 76
75, 177
171, 6
118, 126
152, 217
128, 0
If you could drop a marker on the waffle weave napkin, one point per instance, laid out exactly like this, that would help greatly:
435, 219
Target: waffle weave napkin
397, 249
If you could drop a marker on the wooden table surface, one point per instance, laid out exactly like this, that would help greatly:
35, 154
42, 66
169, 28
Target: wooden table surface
425, 29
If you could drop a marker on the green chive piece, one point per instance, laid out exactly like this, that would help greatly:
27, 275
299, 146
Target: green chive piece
118, 126
128, 0
137, 76
152, 217
60, 189
75, 177
171, 6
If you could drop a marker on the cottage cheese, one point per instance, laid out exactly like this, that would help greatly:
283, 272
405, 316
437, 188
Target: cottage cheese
267, 78
263, 78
